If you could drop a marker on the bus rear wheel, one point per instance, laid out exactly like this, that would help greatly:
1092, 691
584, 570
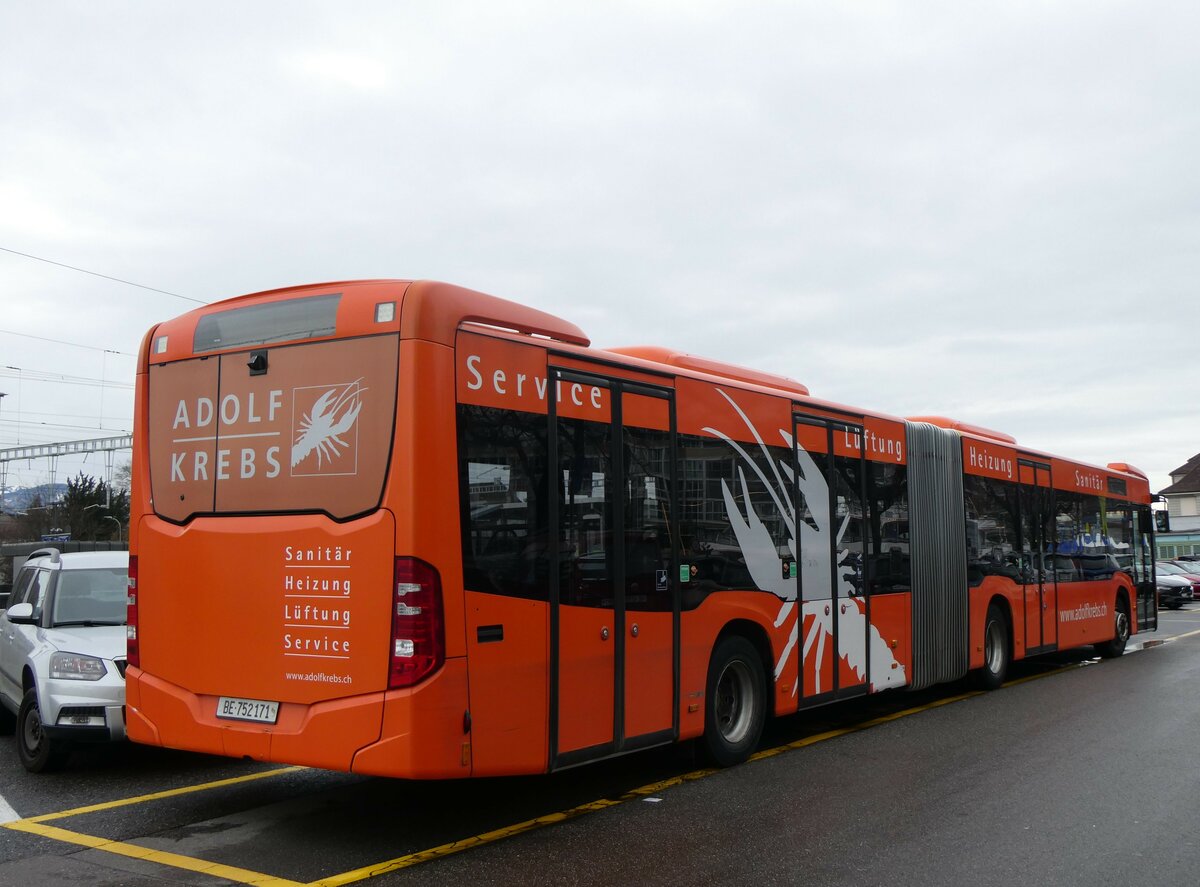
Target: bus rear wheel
1114, 648
735, 702
995, 650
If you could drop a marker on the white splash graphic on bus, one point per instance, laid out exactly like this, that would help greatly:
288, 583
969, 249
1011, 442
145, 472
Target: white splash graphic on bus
763, 562
332, 415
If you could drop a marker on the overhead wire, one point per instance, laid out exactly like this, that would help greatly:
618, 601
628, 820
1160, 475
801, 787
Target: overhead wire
10, 372
152, 289
37, 433
72, 344
39, 428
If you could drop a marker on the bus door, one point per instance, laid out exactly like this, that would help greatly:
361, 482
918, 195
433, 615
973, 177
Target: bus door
614, 601
832, 581
1142, 568
1038, 538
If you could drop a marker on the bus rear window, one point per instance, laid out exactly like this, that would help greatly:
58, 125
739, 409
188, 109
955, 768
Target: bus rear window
286, 321
312, 431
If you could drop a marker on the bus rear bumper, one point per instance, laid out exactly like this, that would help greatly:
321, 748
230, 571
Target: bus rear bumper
425, 731
422, 728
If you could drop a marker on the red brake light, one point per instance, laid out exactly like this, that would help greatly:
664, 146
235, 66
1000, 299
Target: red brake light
418, 633
132, 655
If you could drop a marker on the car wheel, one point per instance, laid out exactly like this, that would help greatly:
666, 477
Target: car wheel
995, 650
1174, 605
1115, 647
35, 749
735, 704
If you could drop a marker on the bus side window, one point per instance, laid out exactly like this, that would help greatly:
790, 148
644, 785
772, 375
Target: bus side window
504, 501
992, 528
887, 489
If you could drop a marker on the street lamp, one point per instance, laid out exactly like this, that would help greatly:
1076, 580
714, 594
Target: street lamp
120, 529
40, 524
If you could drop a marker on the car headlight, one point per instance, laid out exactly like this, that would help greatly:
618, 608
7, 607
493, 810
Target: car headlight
74, 667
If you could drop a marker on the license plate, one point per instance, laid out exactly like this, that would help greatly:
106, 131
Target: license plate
235, 709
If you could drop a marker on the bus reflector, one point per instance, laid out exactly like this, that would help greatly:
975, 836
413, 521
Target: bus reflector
132, 656
418, 635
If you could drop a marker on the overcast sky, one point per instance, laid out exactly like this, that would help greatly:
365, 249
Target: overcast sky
986, 211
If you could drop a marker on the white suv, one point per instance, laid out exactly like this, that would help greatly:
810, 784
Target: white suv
62, 654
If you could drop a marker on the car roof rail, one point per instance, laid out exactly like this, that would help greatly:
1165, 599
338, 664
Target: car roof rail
53, 553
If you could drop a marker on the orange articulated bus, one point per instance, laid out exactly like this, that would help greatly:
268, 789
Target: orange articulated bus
403, 528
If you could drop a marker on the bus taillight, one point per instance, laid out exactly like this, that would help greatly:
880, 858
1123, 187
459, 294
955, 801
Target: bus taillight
418, 635
132, 656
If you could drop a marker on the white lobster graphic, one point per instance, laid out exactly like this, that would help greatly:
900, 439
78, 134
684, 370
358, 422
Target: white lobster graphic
333, 414
763, 562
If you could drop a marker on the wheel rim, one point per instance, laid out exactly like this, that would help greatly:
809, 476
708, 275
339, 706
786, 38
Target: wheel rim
31, 731
993, 646
735, 702
1122, 626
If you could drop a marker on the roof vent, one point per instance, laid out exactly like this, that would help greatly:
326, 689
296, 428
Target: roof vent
658, 354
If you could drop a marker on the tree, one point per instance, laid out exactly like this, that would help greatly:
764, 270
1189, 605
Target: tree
10, 529
91, 509
123, 476
37, 519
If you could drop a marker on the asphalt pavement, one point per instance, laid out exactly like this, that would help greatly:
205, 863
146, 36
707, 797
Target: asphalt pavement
1080, 771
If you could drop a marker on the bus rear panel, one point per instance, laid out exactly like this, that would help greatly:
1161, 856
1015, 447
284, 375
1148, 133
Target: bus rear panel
285, 607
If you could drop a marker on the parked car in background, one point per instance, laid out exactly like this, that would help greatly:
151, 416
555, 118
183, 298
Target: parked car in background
1190, 568
1173, 590
62, 654
1170, 568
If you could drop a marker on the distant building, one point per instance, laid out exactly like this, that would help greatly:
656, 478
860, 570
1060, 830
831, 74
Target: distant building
1183, 507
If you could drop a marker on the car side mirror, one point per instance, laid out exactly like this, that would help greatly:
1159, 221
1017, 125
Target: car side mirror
21, 614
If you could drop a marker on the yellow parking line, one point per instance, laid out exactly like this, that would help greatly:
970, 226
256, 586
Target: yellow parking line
133, 851
508, 831
865, 725
403, 862
155, 796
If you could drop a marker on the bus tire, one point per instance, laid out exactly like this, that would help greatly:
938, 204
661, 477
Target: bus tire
996, 652
1115, 647
35, 749
735, 701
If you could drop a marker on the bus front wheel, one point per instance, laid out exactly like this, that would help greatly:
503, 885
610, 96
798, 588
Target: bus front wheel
1114, 648
735, 701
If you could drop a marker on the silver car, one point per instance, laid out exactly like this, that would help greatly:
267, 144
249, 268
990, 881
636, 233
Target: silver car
62, 654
